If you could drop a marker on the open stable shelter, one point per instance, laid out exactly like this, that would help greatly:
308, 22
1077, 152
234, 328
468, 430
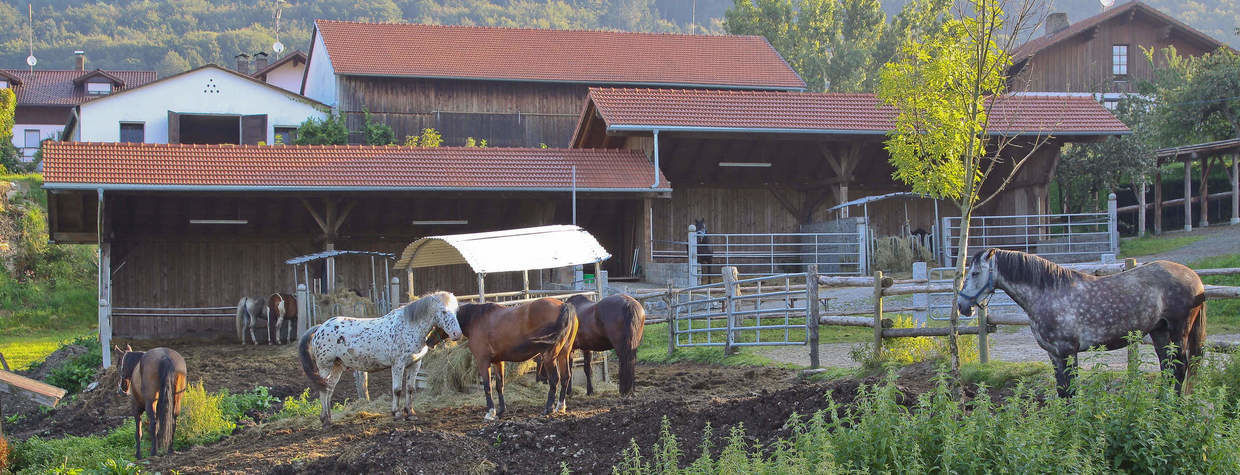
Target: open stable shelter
198, 226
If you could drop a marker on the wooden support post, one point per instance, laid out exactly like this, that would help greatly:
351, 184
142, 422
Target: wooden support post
393, 293
1141, 204
842, 194
921, 301
983, 336
482, 288
671, 298
105, 301
1188, 195
647, 240
1158, 202
303, 309
1235, 188
600, 281
1204, 221
878, 314
813, 313
1113, 223
413, 294
729, 307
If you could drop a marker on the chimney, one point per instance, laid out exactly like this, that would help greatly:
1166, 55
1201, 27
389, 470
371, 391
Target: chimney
80, 59
1056, 22
260, 61
243, 63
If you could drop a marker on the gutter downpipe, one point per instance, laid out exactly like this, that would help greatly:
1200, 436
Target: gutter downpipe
656, 159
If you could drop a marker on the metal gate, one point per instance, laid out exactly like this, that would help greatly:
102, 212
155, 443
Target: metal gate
768, 310
1075, 237
839, 253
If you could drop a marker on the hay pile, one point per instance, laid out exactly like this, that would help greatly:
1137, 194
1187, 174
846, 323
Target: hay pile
450, 369
345, 302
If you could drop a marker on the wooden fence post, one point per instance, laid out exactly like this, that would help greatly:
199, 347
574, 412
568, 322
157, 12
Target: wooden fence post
812, 313
729, 307
600, 281
393, 294
1141, 204
671, 299
695, 271
983, 336
1188, 194
105, 300
1112, 223
878, 314
1158, 202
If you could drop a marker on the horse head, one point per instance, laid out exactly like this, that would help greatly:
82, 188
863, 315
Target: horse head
979, 282
445, 314
699, 226
129, 361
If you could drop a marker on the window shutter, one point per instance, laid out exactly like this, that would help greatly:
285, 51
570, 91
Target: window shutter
174, 127
253, 129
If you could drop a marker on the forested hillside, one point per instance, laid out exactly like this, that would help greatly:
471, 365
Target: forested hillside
172, 35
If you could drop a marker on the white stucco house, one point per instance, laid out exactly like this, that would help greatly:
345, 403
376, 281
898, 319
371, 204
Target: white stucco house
285, 73
205, 105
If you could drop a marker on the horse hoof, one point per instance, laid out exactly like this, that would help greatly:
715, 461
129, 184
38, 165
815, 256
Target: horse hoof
490, 415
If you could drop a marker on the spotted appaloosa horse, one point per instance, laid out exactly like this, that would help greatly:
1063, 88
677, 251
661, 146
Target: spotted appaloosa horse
1072, 312
396, 340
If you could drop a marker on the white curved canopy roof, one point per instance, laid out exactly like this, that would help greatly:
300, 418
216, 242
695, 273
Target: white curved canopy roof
542, 247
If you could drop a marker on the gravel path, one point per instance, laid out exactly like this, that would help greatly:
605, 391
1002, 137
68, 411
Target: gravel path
1218, 240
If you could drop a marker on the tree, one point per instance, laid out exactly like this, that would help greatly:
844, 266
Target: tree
328, 131
172, 63
8, 108
1198, 99
941, 145
377, 133
1086, 170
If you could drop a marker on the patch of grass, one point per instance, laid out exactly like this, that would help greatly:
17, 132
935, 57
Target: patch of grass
37, 455
22, 351
1132, 247
1222, 316
202, 420
653, 349
300, 406
77, 373
997, 374
237, 407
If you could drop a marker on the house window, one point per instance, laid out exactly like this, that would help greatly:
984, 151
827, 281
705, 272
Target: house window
32, 138
1119, 60
133, 132
98, 88
285, 135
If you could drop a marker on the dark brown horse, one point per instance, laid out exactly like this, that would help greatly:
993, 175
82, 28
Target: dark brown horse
281, 309
155, 381
615, 322
497, 334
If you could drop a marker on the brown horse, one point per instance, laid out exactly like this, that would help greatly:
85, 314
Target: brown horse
155, 382
615, 322
281, 308
497, 334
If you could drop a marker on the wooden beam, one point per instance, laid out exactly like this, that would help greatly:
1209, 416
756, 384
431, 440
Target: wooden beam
314, 214
37, 391
1158, 202
1205, 192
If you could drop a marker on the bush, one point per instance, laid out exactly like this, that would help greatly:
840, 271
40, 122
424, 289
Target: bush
202, 420
329, 131
897, 254
1130, 423
300, 406
236, 407
75, 374
377, 133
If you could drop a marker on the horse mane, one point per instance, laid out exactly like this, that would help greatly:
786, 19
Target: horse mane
423, 306
1031, 269
129, 361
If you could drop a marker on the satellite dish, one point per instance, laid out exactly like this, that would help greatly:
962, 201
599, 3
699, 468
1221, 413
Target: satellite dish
1106, 3
278, 47
31, 61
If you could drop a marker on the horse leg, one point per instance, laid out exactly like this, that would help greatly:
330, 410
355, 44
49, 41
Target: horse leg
411, 385
361, 380
484, 373
137, 435
564, 362
589, 370
1063, 380
398, 387
553, 377
498, 368
332, 377
253, 322
150, 413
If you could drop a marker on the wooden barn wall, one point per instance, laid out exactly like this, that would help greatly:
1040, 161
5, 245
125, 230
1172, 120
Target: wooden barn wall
162, 261
1084, 65
505, 113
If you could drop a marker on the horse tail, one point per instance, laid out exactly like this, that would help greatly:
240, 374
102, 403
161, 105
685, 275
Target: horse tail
241, 309
634, 316
565, 324
307, 362
1196, 336
163, 406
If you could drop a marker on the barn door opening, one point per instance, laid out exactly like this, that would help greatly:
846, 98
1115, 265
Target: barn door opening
253, 129
209, 129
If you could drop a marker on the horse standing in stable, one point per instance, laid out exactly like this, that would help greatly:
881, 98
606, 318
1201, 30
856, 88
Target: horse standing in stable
250, 311
155, 381
1071, 312
396, 340
705, 253
281, 318
615, 322
497, 334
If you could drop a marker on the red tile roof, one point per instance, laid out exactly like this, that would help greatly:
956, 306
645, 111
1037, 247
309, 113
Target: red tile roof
124, 165
58, 87
566, 56
1033, 46
810, 112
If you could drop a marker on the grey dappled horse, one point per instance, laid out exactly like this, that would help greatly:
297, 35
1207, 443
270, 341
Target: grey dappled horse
1072, 312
